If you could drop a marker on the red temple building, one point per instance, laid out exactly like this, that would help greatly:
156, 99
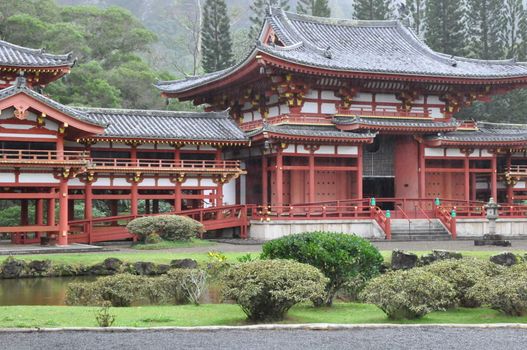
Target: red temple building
337, 121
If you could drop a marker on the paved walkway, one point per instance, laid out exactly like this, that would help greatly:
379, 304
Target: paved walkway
407, 338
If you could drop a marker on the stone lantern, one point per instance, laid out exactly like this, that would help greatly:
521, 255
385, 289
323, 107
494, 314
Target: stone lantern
491, 238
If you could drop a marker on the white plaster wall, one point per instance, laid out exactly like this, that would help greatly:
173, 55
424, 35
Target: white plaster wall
189, 147
190, 183
274, 111
7, 177
119, 181
165, 183
433, 100
328, 108
310, 107
478, 227
229, 192
475, 154
37, 178
18, 126
276, 229
435, 112
145, 182
103, 181
289, 149
75, 182
51, 125
363, 97
485, 153
520, 184
454, 152
433, 152
329, 95
207, 182
243, 189
325, 150
206, 148
386, 98
311, 94
28, 136
146, 146
349, 150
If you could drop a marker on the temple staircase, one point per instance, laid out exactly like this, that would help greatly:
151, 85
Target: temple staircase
419, 229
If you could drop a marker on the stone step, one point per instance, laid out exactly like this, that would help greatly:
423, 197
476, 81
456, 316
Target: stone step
421, 238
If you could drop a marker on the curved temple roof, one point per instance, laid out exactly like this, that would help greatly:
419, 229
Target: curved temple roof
166, 125
12, 55
378, 47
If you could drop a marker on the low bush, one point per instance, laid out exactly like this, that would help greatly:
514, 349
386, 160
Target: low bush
267, 289
463, 274
168, 227
506, 292
409, 294
182, 285
119, 290
341, 257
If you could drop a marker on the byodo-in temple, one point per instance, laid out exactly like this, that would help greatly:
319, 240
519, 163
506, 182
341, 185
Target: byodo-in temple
327, 124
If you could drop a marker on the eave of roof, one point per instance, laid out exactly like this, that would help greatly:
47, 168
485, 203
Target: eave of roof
12, 55
394, 124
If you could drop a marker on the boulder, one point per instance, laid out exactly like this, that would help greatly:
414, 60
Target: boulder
437, 255
112, 264
12, 268
162, 268
40, 267
505, 259
184, 264
144, 268
402, 260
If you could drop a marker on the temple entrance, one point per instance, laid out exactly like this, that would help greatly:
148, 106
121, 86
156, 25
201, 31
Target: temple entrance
379, 187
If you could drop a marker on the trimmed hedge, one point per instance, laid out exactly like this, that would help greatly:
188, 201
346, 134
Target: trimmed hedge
464, 274
506, 292
341, 257
168, 227
267, 289
409, 294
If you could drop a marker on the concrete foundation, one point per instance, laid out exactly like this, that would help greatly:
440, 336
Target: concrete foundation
468, 228
275, 229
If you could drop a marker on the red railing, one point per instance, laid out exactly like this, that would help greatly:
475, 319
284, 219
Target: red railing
517, 169
41, 155
163, 163
445, 216
384, 222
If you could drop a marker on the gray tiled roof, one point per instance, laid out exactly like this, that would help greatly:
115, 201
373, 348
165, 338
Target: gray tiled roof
168, 125
308, 130
17, 56
384, 47
21, 87
487, 132
392, 122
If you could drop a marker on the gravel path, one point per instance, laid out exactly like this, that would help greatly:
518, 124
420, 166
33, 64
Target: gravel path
380, 338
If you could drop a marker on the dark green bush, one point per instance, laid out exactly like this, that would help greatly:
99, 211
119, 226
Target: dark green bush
168, 227
267, 289
506, 292
463, 274
341, 257
409, 294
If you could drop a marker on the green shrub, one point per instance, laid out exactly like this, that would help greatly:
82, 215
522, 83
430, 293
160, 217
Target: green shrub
341, 257
267, 289
119, 290
463, 274
506, 292
409, 294
103, 316
182, 285
168, 227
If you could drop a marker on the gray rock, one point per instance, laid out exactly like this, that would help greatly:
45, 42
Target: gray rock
112, 264
162, 269
144, 268
184, 264
505, 259
40, 267
12, 268
403, 261
438, 255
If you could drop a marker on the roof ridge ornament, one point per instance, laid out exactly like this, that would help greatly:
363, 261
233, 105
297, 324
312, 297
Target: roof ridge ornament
327, 53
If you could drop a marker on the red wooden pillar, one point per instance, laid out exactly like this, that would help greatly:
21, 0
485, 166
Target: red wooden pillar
312, 196
39, 212
494, 177
63, 212
219, 190
422, 171
177, 190
88, 208
60, 147
279, 178
51, 210
466, 169
24, 212
510, 185
134, 193
359, 172
265, 181
473, 186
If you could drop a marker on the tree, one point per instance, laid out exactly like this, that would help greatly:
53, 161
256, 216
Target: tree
445, 26
372, 9
485, 22
318, 8
216, 42
412, 13
259, 9
513, 30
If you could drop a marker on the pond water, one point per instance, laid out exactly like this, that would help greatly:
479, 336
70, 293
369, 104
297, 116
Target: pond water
52, 291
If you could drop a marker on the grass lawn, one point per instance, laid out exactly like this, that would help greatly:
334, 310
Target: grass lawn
226, 314
174, 244
164, 257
